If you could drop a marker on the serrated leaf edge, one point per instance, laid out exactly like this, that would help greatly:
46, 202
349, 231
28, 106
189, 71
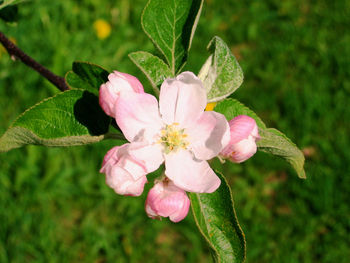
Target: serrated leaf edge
154, 86
149, 36
44, 100
36, 140
235, 216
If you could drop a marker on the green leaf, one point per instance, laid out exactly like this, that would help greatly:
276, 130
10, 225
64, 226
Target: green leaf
171, 24
153, 67
73, 117
9, 13
87, 76
272, 141
221, 74
275, 142
232, 108
216, 219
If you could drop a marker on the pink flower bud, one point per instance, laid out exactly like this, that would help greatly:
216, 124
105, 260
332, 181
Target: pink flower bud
124, 173
244, 134
167, 200
118, 82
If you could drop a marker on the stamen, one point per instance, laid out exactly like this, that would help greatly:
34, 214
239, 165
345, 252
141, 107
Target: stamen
173, 138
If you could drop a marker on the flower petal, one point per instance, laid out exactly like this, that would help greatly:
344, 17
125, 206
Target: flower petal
111, 158
125, 81
123, 182
208, 135
150, 155
118, 82
190, 174
137, 116
182, 99
167, 200
121, 157
243, 136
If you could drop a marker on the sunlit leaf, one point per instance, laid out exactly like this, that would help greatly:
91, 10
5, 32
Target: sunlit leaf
171, 24
153, 67
73, 117
216, 219
275, 142
221, 74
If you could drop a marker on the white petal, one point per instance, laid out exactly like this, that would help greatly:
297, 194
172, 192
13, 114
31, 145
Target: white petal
208, 135
182, 99
190, 174
137, 116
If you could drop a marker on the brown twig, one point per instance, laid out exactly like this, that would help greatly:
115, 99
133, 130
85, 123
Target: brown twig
13, 50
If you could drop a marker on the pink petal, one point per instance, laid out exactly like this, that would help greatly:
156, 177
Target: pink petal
243, 150
241, 127
110, 158
208, 135
182, 99
150, 155
120, 156
167, 200
110, 91
125, 81
123, 183
190, 174
243, 135
138, 117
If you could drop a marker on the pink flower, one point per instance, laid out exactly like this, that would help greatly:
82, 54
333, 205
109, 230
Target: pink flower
110, 91
167, 200
177, 132
244, 134
124, 173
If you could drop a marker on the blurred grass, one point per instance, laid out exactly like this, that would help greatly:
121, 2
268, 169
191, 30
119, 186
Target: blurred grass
55, 206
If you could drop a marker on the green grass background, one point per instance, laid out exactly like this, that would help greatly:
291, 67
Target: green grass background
55, 206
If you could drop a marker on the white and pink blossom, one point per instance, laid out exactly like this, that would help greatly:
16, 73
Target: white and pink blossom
244, 134
110, 91
167, 200
177, 132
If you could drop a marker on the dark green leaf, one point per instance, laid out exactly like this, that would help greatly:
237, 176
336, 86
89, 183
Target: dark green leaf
9, 13
76, 82
274, 142
171, 24
153, 67
70, 118
87, 76
221, 73
216, 219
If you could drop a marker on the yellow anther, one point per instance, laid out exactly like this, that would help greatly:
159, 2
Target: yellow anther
173, 138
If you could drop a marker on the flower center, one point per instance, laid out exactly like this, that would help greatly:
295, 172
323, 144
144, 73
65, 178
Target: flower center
173, 138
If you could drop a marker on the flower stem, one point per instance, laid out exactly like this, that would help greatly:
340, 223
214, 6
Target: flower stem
13, 50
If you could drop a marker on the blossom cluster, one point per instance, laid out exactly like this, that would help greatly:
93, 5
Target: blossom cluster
177, 132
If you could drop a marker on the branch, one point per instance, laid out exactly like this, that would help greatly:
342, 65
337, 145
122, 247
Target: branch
13, 50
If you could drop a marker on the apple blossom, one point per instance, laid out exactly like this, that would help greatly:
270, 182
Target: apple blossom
244, 134
167, 200
110, 91
177, 132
